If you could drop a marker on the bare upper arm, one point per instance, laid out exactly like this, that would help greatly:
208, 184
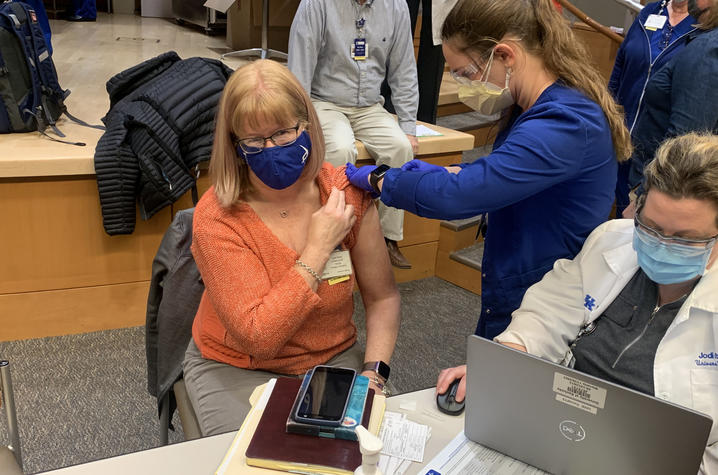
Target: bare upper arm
371, 261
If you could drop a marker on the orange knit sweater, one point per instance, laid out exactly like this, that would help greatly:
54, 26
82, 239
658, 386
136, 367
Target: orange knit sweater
257, 311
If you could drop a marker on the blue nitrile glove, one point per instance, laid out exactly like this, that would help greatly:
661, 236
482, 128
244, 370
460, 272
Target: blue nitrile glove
421, 166
359, 177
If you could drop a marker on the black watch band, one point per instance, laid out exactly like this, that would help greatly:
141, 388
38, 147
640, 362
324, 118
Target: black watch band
376, 175
379, 367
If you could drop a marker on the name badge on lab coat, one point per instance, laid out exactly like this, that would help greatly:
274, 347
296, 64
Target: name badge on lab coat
655, 22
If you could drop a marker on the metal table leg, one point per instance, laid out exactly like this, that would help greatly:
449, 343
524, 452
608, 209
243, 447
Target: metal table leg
264, 52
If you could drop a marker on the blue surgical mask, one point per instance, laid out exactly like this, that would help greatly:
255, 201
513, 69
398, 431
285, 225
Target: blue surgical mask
280, 166
669, 263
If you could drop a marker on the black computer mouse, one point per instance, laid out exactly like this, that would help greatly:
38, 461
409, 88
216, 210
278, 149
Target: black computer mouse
446, 402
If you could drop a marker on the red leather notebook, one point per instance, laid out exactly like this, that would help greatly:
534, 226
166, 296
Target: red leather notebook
273, 447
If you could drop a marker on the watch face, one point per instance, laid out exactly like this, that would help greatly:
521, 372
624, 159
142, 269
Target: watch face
379, 367
383, 370
381, 169
376, 175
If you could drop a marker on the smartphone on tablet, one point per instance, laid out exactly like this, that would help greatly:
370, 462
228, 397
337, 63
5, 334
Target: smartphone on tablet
324, 400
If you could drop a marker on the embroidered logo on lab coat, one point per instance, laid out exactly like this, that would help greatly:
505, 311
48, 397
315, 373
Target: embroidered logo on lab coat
589, 302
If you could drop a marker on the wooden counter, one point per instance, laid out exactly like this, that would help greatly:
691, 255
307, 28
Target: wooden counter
61, 273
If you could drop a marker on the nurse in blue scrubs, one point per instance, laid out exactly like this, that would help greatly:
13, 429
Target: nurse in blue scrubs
550, 178
659, 32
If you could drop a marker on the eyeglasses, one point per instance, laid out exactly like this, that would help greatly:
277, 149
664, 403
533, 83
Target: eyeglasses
464, 75
280, 138
651, 236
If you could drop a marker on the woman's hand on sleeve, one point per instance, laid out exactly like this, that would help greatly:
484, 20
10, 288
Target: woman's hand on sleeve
328, 227
331, 223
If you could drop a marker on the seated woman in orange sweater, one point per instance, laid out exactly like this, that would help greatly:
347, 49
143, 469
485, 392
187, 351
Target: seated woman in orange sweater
262, 237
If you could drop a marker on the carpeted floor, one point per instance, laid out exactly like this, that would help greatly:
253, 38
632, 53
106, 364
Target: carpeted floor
84, 397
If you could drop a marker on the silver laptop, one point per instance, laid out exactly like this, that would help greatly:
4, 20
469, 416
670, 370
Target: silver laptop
566, 422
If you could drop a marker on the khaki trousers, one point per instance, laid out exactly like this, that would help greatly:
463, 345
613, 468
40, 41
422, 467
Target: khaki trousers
383, 139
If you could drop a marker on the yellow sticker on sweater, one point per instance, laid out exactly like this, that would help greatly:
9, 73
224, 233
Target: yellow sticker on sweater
338, 280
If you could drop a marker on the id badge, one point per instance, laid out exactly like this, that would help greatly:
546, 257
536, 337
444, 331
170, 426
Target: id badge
338, 267
655, 22
359, 49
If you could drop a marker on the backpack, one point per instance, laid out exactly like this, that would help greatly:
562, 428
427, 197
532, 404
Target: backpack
30, 96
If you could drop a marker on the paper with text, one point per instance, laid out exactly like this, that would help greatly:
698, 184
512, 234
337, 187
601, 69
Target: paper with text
462, 456
403, 438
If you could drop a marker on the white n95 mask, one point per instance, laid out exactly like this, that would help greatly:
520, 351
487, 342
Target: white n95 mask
486, 97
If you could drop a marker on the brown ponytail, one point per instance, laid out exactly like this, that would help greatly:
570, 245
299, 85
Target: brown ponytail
479, 24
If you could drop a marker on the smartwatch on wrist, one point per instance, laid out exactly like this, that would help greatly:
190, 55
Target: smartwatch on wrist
376, 175
379, 367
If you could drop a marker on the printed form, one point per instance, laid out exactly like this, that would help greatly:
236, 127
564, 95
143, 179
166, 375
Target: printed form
404, 442
462, 456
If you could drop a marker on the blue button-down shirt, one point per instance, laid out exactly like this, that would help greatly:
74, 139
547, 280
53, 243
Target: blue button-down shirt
320, 41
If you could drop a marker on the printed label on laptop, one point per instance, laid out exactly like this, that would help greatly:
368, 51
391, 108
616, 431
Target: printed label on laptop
578, 393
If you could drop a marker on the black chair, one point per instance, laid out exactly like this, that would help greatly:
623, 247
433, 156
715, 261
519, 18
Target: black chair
175, 291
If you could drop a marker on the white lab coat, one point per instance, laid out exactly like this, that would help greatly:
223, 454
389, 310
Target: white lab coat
576, 292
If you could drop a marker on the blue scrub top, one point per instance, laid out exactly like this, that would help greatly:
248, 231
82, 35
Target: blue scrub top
547, 184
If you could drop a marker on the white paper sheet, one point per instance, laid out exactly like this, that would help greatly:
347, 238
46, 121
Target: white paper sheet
403, 438
395, 465
424, 131
462, 456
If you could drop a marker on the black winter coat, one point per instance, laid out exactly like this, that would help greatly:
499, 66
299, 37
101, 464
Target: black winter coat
159, 127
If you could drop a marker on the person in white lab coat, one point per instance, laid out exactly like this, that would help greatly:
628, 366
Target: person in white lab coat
639, 304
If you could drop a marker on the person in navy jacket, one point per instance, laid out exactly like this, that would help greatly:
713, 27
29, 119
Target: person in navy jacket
551, 176
682, 96
660, 31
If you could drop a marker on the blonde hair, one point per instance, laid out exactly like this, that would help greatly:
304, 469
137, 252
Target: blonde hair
479, 25
712, 20
259, 92
686, 167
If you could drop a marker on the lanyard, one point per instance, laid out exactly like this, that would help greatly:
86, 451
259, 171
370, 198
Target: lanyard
359, 21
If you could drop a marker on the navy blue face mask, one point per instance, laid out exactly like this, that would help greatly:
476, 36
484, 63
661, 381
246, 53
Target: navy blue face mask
280, 166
